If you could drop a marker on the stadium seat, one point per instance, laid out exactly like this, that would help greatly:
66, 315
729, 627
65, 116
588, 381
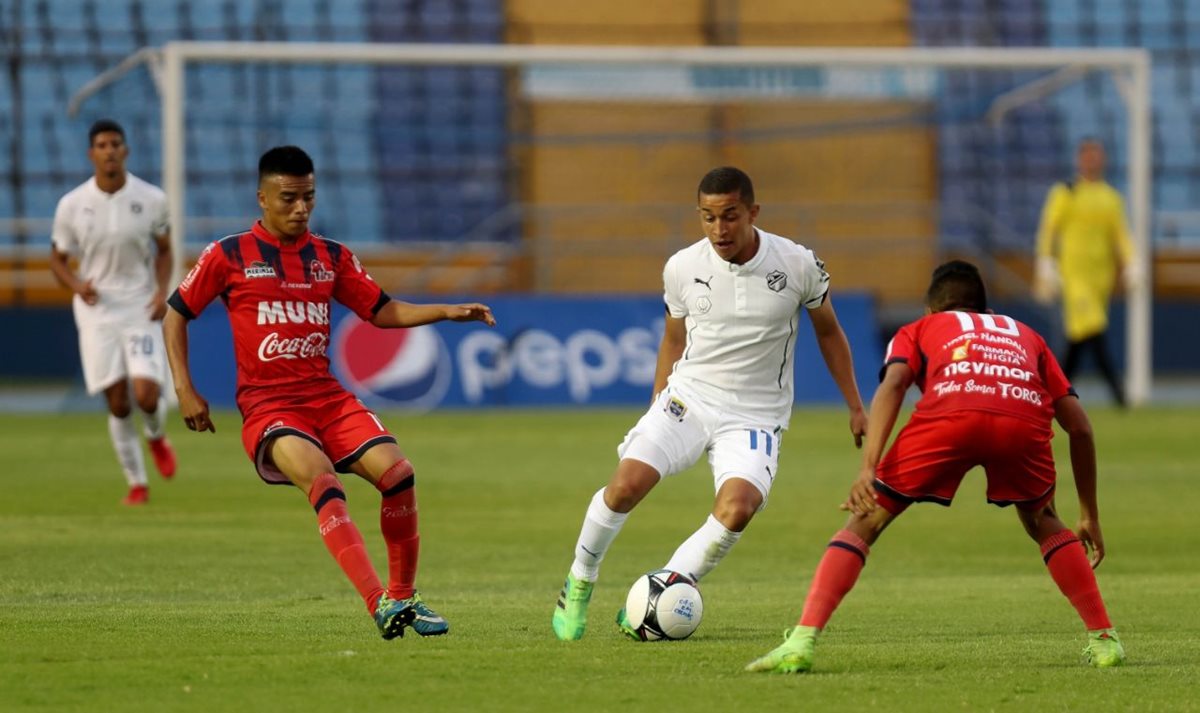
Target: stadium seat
393, 125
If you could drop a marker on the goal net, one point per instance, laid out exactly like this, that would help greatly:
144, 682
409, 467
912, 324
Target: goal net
476, 168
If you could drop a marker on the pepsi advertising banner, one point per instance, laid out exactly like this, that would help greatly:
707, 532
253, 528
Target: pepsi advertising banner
543, 351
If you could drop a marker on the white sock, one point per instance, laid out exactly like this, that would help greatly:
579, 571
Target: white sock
704, 550
600, 528
129, 449
156, 422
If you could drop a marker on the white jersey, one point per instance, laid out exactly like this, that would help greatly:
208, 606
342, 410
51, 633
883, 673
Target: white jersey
741, 322
113, 237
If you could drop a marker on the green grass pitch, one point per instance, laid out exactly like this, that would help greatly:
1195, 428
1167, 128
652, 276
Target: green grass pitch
219, 595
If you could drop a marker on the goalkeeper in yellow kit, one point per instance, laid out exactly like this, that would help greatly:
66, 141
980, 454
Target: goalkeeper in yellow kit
1082, 247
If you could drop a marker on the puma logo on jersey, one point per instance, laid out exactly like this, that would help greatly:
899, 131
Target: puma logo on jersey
293, 312
698, 281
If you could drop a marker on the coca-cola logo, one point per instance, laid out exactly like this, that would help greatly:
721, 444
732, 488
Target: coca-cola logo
274, 347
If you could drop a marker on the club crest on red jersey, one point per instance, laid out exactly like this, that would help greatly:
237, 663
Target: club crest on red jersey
319, 274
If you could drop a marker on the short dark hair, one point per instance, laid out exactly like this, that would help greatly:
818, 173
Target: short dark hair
956, 285
103, 126
284, 161
727, 179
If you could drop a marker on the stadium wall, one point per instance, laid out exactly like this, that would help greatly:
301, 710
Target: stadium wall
596, 197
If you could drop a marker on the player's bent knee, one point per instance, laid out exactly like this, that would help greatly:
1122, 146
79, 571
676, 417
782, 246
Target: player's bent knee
871, 525
1040, 522
146, 393
120, 410
735, 515
623, 495
632, 481
399, 477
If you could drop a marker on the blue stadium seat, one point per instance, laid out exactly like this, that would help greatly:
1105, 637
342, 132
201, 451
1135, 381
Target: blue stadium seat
1175, 193
299, 20
206, 18
348, 22
7, 210
38, 82
1155, 13
393, 125
161, 16
41, 197
354, 149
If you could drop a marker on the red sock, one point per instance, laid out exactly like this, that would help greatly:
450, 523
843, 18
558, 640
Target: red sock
343, 539
398, 523
836, 575
1067, 561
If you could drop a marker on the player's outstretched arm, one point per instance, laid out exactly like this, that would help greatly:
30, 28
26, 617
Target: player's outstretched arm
835, 349
192, 405
1073, 419
885, 407
406, 314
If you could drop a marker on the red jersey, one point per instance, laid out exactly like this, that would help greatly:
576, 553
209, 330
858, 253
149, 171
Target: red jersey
965, 361
278, 298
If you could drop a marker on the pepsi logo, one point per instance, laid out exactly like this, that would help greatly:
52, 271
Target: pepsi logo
405, 368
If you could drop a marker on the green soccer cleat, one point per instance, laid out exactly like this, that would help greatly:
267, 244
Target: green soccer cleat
391, 616
425, 621
625, 627
570, 614
795, 655
1104, 649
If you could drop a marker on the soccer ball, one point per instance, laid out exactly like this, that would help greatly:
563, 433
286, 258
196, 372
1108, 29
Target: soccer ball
664, 605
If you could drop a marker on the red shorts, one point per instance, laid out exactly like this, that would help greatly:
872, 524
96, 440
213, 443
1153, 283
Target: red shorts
932, 454
339, 425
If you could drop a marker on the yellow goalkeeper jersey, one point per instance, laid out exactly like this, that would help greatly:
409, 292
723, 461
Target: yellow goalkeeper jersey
1083, 228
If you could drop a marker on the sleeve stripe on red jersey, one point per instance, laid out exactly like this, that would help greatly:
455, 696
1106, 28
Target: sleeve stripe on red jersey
176, 302
889, 362
384, 298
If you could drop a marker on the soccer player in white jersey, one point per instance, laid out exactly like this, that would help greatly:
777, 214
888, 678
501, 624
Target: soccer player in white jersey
723, 386
115, 226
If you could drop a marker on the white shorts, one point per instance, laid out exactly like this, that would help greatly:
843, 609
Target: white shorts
680, 427
115, 352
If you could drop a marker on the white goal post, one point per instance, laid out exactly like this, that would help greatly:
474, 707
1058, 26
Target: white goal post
1130, 69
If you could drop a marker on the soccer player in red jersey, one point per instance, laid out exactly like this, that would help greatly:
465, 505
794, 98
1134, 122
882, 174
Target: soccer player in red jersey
990, 389
299, 425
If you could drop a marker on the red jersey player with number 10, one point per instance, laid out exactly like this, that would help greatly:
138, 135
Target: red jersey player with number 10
991, 388
299, 424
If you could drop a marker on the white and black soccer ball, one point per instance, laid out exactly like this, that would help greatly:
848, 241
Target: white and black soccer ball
664, 605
